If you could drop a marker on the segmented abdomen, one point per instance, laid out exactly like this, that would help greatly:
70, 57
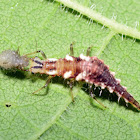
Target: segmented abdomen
99, 75
84, 68
93, 70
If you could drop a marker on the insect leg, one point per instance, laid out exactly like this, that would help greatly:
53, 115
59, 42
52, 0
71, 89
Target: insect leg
88, 51
39, 51
71, 86
47, 82
71, 49
17, 51
93, 95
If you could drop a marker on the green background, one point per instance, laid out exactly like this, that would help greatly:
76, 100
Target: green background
51, 114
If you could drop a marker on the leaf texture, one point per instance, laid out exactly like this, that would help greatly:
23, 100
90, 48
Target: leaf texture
51, 26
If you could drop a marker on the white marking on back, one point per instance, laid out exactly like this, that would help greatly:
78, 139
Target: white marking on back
126, 100
124, 87
118, 80
79, 77
110, 89
54, 72
87, 58
96, 85
84, 73
113, 73
119, 95
103, 86
69, 58
67, 74
52, 59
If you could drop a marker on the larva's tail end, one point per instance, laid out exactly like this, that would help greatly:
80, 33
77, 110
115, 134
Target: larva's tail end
136, 105
129, 98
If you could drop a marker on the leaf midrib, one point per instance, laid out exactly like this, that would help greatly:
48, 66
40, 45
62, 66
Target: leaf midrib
111, 24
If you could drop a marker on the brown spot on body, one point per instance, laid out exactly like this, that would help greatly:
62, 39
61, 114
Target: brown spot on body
38, 62
51, 69
65, 65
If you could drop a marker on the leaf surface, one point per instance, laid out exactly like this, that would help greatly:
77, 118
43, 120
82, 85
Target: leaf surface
51, 114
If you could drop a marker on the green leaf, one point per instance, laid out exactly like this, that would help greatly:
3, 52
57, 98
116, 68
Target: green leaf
51, 114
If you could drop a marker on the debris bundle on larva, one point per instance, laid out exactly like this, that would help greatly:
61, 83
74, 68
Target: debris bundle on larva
83, 68
11, 59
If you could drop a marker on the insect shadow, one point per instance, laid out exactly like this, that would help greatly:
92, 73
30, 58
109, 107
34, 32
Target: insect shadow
99, 93
106, 95
55, 80
14, 73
